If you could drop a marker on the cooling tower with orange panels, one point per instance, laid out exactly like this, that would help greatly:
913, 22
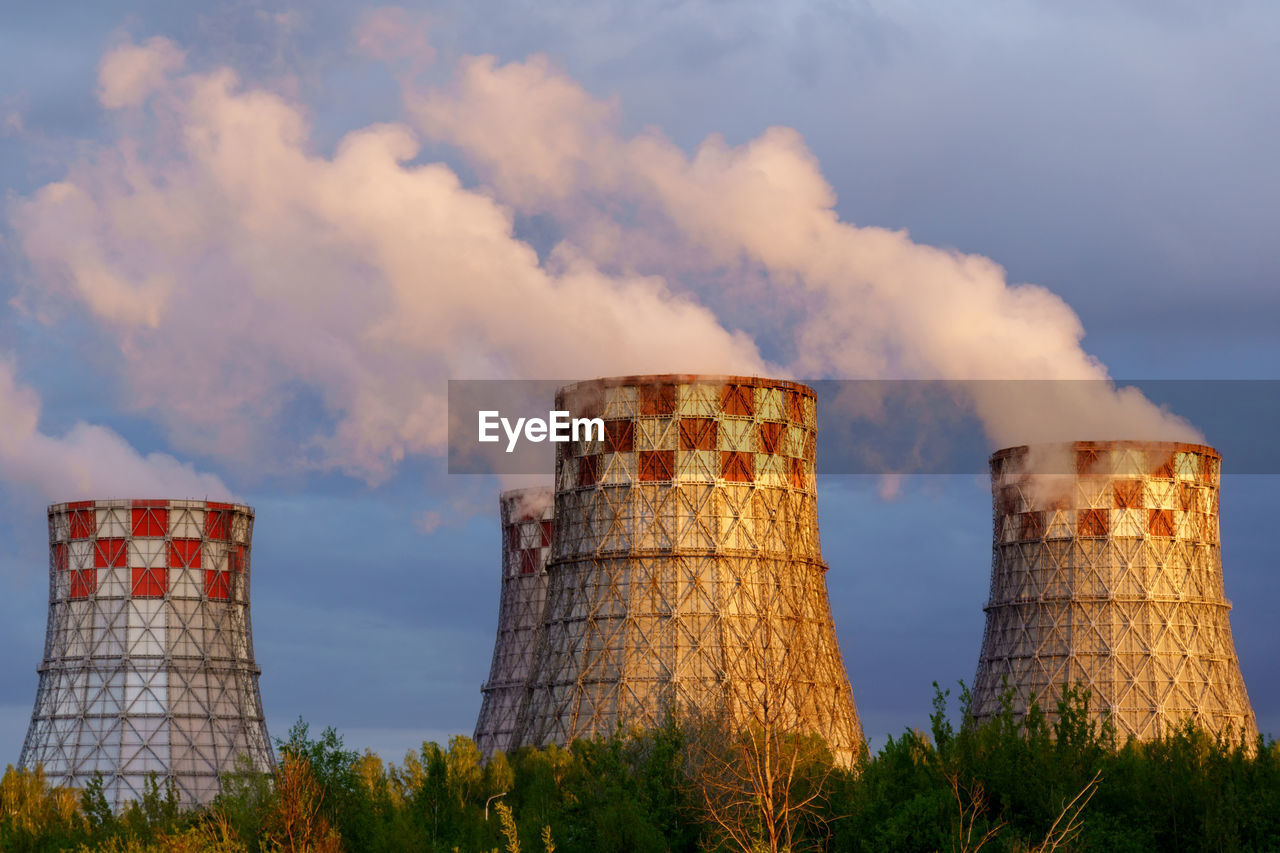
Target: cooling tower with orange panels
148, 663
686, 572
526, 543
1110, 576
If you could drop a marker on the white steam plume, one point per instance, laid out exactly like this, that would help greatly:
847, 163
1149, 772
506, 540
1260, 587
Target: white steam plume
240, 268
244, 272
875, 304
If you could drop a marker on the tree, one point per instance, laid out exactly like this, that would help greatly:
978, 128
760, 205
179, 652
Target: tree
756, 766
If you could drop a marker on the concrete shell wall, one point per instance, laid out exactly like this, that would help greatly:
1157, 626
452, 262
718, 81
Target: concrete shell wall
527, 528
1110, 575
686, 569
148, 663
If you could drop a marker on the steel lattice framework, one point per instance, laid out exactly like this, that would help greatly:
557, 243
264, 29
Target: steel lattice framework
1110, 576
148, 662
526, 543
686, 571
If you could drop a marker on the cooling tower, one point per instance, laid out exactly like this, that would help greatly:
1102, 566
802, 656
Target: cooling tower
685, 570
148, 658
526, 543
1111, 577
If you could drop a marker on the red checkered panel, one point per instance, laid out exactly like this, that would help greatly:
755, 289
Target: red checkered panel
84, 520
735, 466
84, 582
619, 436
737, 400
184, 554
149, 583
1175, 497
149, 538
217, 521
655, 465
657, 400
150, 518
528, 545
697, 434
111, 553
693, 431
217, 585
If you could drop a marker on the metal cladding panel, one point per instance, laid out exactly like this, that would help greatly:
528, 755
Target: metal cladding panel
685, 558
136, 636
1110, 576
527, 530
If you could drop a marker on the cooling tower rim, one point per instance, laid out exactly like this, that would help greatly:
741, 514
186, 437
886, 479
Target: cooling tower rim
523, 491
689, 379
1127, 444
129, 503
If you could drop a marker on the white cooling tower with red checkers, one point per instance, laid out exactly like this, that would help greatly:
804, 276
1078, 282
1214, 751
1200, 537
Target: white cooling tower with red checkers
527, 529
148, 664
686, 571
1109, 576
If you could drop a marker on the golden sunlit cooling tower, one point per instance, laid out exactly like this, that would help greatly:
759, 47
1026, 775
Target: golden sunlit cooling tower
685, 570
1111, 576
526, 542
148, 663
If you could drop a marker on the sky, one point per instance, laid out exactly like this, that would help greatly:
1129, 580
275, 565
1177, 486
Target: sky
242, 249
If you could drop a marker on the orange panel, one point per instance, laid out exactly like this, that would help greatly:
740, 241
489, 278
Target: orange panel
655, 465
1086, 460
618, 436
60, 557
1092, 522
698, 434
547, 532
1128, 494
1032, 525
150, 583
735, 466
770, 436
795, 407
528, 561
1008, 500
796, 473
737, 400
1160, 522
657, 399
588, 470
110, 553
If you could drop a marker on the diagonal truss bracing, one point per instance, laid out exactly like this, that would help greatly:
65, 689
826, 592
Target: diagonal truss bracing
526, 542
1110, 576
148, 664
685, 569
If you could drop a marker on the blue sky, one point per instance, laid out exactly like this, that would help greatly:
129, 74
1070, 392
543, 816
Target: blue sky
1118, 154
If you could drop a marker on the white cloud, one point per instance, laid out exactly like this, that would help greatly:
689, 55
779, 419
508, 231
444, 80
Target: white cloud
87, 462
130, 73
241, 271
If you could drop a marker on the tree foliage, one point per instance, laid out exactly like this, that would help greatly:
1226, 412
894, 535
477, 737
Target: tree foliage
1037, 782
